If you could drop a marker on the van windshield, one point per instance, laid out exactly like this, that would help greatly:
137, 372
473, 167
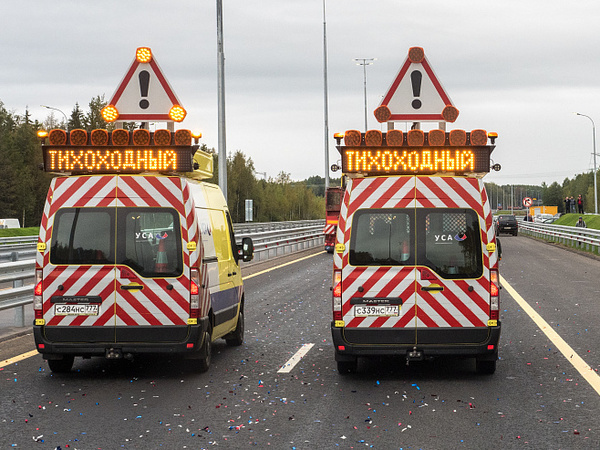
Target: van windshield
447, 240
147, 239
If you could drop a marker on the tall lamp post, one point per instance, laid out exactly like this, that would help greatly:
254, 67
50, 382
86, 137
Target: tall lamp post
325, 100
222, 148
365, 62
594, 142
56, 109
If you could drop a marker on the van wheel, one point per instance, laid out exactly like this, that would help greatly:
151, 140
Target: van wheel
205, 352
345, 367
61, 365
485, 367
236, 338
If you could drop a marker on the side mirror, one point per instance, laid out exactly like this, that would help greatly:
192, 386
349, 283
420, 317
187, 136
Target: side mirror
247, 250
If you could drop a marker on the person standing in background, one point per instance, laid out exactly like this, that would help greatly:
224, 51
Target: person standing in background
567, 205
573, 205
580, 204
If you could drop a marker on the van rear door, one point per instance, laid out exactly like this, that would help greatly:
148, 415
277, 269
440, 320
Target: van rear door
453, 280
378, 289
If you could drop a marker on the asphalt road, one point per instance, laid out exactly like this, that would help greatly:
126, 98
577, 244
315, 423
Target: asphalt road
536, 399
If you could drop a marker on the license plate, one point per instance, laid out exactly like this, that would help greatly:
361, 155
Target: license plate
76, 310
379, 310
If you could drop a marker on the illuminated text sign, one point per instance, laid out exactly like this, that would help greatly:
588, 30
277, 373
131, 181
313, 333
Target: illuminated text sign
109, 159
411, 160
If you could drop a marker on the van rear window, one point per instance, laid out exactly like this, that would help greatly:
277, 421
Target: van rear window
147, 239
446, 240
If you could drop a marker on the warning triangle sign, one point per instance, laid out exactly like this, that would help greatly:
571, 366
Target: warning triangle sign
144, 94
416, 95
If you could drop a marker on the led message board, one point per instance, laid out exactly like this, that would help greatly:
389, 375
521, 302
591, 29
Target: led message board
415, 160
112, 159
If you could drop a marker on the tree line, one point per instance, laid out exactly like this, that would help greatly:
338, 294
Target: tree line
24, 185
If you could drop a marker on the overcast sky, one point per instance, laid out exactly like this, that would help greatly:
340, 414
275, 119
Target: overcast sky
520, 68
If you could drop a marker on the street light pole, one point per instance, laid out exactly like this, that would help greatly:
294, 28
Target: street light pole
594, 143
326, 100
221, 102
56, 109
365, 62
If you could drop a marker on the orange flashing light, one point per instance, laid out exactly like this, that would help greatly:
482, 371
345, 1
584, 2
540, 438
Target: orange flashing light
177, 113
162, 137
99, 137
42, 134
120, 137
78, 137
143, 54
183, 137
109, 113
141, 137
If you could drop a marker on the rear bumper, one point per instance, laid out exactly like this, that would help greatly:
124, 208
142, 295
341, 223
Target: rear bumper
439, 342
75, 341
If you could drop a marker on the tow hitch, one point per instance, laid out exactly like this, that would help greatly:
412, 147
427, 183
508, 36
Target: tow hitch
414, 355
117, 353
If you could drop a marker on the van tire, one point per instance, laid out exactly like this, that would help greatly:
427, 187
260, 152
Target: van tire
205, 352
236, 337
63, 365
486, 367
346, 367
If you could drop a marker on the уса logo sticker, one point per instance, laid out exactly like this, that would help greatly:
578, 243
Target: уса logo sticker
164, 236
460, 237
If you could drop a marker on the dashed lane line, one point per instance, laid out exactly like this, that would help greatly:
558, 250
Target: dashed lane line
589, 374
291, 363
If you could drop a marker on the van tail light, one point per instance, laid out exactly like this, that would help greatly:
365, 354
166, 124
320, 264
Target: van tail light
194, 293
494, 295
37, 295
337, 295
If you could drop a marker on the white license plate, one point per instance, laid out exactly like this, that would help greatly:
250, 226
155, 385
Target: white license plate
379, 310
76, 310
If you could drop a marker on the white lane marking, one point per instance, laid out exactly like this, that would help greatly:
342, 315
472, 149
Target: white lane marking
577, 361
281, 265
291, 363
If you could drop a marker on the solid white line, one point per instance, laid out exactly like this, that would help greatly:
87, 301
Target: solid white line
289, 365
577, 361
281, 265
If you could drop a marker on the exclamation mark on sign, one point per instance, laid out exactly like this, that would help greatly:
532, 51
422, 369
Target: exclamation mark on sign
415, 79
144, 77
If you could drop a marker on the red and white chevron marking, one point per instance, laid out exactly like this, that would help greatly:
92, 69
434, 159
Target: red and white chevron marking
153, 305
329, 229
464, 303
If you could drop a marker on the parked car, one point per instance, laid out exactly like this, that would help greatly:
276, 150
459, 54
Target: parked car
544, 218
507, 224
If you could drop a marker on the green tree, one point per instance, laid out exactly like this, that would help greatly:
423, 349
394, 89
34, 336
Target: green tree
77, 119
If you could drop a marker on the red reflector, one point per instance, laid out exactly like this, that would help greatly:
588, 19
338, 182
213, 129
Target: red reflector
341, 348
493, 290
38, 289
38, 314
190, 345
337, 290
194, 313
42, 346
491, 347
337, 315
194, 288
494, 315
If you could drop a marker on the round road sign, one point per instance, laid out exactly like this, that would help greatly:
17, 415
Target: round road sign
527, 202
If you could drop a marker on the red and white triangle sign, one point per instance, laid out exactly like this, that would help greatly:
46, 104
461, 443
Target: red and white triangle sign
416, 95
144, 94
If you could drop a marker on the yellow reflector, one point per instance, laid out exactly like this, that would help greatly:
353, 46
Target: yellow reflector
162, 137
177, 113
78, 137
143, 54
57, 137
120, 137
109, 113
99, 137
141, 137
183, 137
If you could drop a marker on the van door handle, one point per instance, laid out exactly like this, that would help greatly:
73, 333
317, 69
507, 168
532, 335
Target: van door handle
432, 287
231, 274
131, 287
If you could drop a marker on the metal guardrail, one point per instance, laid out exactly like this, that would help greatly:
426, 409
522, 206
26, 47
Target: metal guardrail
270, 240
581, 238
